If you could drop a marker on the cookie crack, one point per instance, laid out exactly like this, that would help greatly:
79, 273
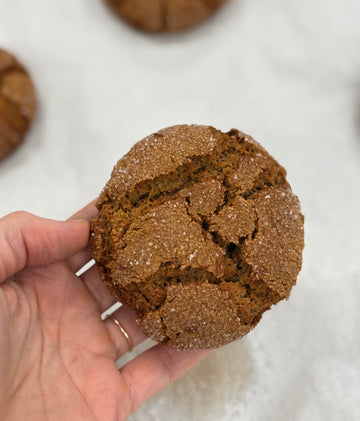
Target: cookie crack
164, 330
256, 222
166, 185
265, 180
153, 192
151, 294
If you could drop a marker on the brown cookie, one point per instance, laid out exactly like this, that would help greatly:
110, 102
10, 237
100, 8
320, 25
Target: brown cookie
164, 15
199, 233
17, 103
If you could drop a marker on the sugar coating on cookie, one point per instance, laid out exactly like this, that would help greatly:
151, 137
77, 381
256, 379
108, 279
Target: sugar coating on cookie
199, 233
17, 103
164, 15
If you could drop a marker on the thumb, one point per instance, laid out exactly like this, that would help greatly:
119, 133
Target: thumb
27, 240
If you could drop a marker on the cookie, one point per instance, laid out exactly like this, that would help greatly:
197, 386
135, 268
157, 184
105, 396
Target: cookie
199, 233
164, 15
17, 103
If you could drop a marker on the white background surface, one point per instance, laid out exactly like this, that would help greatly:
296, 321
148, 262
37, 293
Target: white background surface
286, 72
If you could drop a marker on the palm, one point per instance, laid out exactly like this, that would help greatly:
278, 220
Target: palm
70, 362
57, 359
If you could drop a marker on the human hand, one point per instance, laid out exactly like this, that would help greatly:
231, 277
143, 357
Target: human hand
57, 356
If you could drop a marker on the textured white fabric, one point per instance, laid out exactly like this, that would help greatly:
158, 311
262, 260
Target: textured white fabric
285, 71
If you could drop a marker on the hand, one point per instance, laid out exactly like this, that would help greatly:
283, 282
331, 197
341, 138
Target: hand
57, 357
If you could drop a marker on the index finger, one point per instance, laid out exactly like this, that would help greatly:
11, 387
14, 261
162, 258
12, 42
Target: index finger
87, 212
78, 260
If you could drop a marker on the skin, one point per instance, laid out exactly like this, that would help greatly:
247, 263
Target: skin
57, 359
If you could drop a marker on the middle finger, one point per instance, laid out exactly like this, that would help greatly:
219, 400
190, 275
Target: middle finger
92, 281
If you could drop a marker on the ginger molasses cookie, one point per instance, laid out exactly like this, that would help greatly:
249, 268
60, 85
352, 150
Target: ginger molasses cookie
164, 15
199, 233
17, 103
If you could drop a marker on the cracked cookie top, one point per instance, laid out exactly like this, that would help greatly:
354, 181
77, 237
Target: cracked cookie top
199, 233
164, 15
17, 103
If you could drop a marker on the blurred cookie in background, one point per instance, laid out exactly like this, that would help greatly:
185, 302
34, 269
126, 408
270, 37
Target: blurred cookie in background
17, 103
164, 15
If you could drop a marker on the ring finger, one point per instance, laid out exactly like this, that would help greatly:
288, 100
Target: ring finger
127, 320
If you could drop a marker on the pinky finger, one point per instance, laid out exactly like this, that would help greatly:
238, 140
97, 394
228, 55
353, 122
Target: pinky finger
156, 368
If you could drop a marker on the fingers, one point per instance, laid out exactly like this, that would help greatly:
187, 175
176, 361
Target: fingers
77, 261
87, 212
104, 299
127, 320
80, 259
124, 315
154, 369
27, 241
97, 289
